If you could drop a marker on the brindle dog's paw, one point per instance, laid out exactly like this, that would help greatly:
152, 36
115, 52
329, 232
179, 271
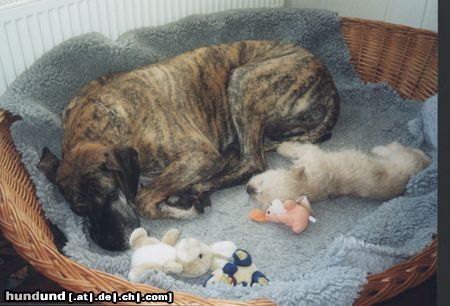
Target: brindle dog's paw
188, 201
201, 189
148, 211
177, 213
183, 205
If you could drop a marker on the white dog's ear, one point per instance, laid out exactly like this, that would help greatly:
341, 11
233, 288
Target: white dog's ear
298, 172
223, 249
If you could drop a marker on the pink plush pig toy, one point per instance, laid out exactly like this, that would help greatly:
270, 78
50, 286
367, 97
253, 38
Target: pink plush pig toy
295, 214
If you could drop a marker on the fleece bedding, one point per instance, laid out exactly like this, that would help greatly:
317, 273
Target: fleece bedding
325, 265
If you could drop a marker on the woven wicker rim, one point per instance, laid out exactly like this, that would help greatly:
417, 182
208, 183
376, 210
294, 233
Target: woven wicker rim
404, 57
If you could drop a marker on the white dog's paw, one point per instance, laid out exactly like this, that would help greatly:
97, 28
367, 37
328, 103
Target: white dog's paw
286, 149
395, 146
178, 213
426, 159
381, 151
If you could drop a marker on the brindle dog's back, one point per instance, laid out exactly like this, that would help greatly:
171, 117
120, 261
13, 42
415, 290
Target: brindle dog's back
156, 104
196, 121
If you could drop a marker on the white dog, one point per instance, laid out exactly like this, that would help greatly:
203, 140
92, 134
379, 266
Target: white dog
318, 174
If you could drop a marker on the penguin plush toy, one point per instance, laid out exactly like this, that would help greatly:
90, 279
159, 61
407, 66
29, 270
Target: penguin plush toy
241, 271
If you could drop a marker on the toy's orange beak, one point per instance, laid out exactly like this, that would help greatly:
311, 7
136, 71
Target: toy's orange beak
258, 215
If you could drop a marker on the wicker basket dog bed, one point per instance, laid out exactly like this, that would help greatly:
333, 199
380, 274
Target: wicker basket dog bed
404, 57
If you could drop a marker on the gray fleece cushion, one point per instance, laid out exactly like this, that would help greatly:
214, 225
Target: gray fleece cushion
325, 265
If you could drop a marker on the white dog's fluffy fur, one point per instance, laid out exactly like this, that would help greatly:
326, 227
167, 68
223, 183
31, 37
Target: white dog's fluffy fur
381, 174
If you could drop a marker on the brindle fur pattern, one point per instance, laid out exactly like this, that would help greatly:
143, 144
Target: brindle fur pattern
197, 121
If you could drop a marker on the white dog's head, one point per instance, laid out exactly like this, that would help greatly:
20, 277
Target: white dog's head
280, 184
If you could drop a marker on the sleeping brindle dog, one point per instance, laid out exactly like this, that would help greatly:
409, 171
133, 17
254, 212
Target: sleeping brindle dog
186, 126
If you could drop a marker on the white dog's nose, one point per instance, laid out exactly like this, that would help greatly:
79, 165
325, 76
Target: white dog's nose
251, 190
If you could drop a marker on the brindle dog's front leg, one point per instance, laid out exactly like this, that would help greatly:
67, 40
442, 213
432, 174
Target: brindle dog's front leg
255, 101
252, 160
249, 118
177, 177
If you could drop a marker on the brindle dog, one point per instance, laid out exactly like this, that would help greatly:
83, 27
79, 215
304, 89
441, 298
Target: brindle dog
190, 125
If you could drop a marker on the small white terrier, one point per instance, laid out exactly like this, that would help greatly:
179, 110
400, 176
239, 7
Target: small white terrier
381, 174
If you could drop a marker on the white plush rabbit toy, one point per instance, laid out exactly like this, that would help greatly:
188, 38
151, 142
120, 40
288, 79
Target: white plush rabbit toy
188, 257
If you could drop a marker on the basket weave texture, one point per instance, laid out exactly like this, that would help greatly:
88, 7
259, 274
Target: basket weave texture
404, 57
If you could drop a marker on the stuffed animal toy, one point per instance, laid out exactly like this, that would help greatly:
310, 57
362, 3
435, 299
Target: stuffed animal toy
188, 257
241, 271
295, 214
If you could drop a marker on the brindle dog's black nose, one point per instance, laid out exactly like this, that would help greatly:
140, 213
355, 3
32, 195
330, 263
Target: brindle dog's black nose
250, 189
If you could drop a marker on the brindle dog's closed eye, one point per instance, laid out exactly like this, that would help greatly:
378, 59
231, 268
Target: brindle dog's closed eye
187, 126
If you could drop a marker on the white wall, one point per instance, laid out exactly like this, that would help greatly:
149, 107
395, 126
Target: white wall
414, 13
29, 28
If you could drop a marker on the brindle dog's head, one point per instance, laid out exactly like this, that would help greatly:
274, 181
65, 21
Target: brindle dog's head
100, 185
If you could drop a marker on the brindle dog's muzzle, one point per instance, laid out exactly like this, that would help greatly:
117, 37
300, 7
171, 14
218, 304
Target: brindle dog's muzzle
111, 225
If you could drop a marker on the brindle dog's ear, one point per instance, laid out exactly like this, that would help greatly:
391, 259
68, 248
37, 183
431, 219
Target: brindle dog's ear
125, 162
48, 165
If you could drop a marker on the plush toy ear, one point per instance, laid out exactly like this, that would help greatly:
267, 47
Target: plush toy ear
140, 238
48, 165
123, 160
223, 249
171, 236
289, 204
303, 201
